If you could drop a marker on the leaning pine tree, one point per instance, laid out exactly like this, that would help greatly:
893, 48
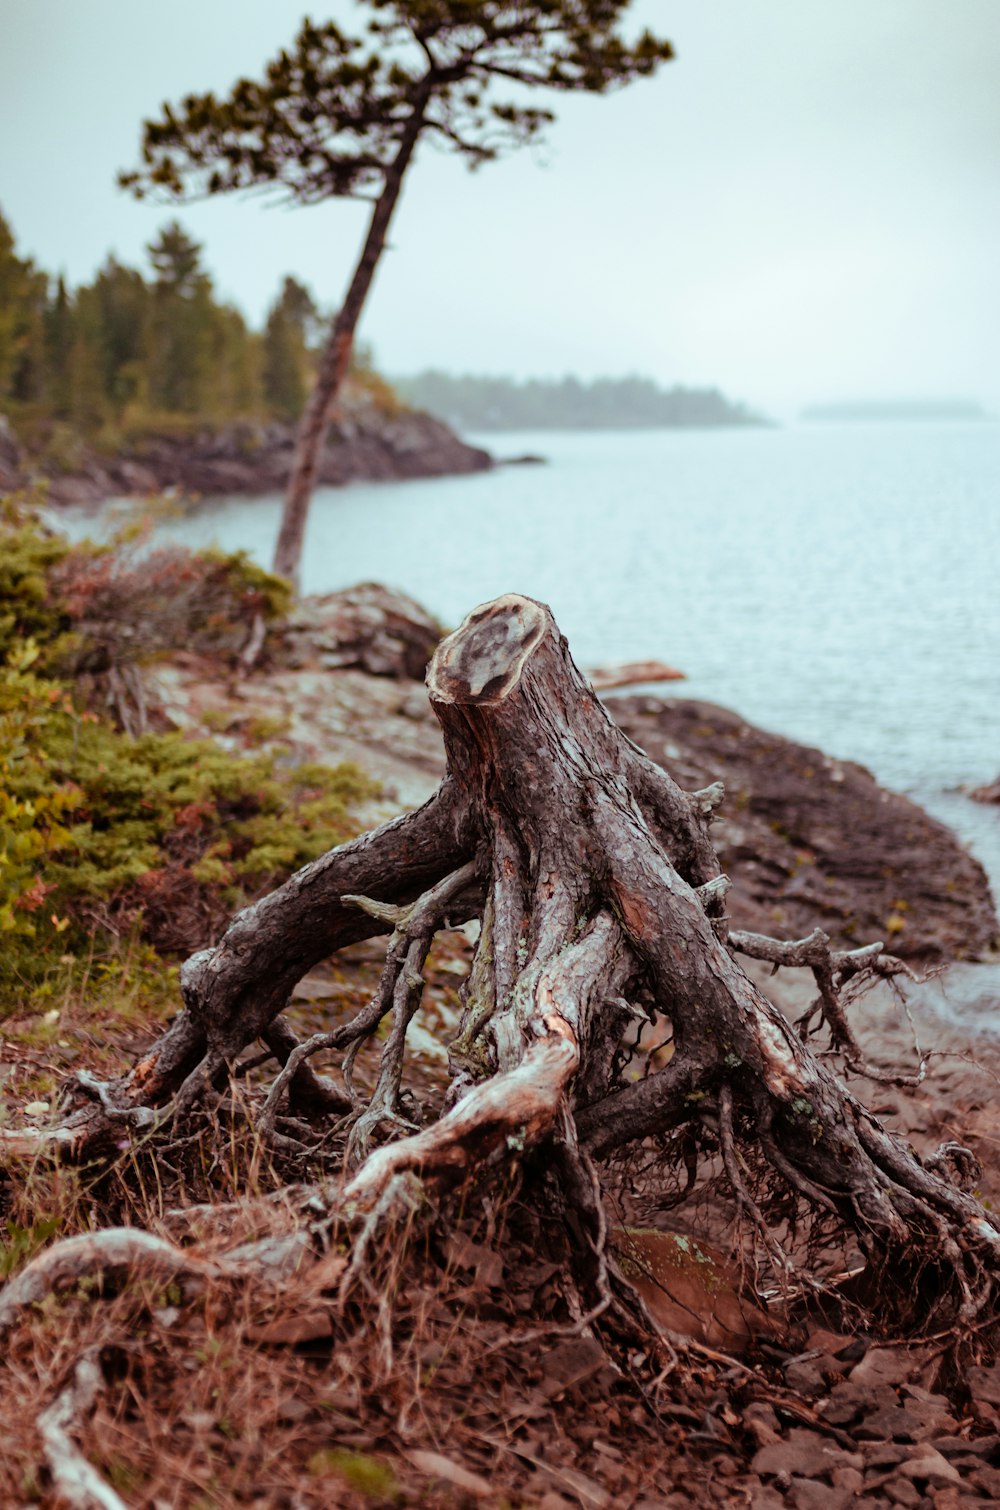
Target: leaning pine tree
598, 892
337, 116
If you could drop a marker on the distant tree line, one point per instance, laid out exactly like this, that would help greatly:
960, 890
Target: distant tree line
501, 403
133, 351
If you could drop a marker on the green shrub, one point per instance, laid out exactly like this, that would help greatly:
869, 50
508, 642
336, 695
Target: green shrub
102, 834
99, 830
30, 609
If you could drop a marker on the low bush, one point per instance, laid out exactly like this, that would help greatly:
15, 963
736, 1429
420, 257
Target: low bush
102, 834
99, 608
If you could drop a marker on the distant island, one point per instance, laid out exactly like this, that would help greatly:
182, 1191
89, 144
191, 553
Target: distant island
897, 409
501, 403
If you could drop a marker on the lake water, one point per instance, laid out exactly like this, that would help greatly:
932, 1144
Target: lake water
836, 583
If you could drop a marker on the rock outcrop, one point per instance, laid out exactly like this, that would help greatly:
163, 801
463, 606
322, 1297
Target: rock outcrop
367, 443
812, 841
369, 627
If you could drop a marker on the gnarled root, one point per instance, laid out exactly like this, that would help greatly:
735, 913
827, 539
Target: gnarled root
91, 1256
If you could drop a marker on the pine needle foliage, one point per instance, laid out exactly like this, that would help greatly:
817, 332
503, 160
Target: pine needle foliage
329, 114
341, 116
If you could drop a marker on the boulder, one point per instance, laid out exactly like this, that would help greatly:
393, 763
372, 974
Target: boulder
371, 627
690, 1289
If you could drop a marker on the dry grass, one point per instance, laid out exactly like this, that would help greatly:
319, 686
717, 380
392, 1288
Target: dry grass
454, 1374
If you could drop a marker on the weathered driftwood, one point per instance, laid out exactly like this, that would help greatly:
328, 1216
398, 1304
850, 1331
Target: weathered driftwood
599, 895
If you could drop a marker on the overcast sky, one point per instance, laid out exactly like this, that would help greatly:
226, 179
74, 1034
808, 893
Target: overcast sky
805, 205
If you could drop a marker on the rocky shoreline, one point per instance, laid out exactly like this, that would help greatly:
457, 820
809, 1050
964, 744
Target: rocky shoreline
808, 841
367, 442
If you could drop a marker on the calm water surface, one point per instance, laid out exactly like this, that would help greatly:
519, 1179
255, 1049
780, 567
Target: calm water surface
835, 583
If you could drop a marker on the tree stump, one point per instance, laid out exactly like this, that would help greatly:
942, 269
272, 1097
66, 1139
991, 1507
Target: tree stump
600, 900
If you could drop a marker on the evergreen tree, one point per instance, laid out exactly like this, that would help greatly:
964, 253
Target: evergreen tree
291, 322
336, 115
123, 309
201, 358
180, 333
125, 347
88, 404
59, 324
231, 387
23, 299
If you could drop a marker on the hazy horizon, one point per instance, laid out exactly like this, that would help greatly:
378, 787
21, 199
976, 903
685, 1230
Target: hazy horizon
801, 209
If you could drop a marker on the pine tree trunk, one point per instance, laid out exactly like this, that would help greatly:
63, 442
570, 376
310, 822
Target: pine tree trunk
336, 358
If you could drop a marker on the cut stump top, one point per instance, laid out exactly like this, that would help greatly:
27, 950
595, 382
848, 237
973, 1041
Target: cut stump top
481, 663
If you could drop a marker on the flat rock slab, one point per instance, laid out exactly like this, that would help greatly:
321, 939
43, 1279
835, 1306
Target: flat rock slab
809, 840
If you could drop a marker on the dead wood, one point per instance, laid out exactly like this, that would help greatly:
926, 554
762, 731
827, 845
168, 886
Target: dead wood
77, 1484
600, 900
94, 1255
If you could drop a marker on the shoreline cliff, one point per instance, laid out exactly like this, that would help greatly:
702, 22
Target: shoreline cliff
367, 442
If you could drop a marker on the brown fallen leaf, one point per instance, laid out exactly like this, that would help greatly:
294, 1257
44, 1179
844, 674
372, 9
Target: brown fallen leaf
325, 1274
571, 1363
465, 1254
589, 1493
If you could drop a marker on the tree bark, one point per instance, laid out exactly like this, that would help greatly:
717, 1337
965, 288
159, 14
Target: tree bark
336, 358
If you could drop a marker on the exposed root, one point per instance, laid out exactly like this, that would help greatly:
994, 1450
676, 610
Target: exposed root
832, 970
293, 1065
142, 1118
20, 1145
92, 1256
400, 987
744, 1200
381, 1110
314, 1093
402, 1197
586, 1205
76, 1483
517, 1106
